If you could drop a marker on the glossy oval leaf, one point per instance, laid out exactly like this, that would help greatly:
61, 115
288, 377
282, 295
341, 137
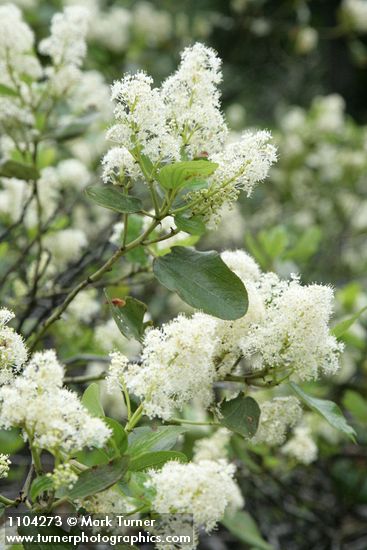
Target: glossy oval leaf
145, 438
241, 415
327, 409
98, 478
203, 281
118, 440
154, 460
113, 198
129, 316
91, 400
193, 225
341, 328
244, 527
179, 174
40, 485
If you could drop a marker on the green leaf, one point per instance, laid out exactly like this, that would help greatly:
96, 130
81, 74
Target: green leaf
306, 245
119, 437
98, 478
40, 485
154, 459
113, 198
20, 170
91, 400
273, 241
93, 457
5, 90
175, 176
255, 249
135, 226
11, 441
204, 281
244, 527
193, 225
145, 438
129, 317
146, 166
327, 409
241, 415
75, 128
355, 403
341, 328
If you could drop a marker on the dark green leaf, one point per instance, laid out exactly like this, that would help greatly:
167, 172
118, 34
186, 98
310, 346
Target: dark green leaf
119, 438
145, 439
113, 198
241, 415
15, 169
175, 176
154, 459
129, 317
342, 327
40, 485
98, 478
146, 166
5, 90
92, 457
91, 400
328, 409
243, 526
203, 281
193, 225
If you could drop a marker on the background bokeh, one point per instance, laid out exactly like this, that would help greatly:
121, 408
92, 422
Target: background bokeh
298, 68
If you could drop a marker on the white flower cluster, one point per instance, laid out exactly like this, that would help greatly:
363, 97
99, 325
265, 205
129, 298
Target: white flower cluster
355, 11
119, 165
111, 501
141, 118
53, 417
176, 361
4, 465
242, 164
182, 120
13, 352
213, 447
285, 333
16, 43
277, 416
301, 446
193, 101
67, 48
247, 161
295, 333
65, 246
84, 308
63, 476
66, 44
116, 28
205, 489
